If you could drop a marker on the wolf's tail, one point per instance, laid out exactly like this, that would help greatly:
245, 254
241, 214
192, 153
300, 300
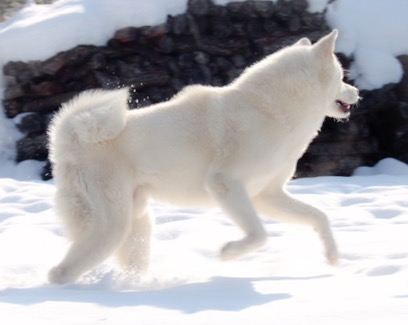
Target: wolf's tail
92, 117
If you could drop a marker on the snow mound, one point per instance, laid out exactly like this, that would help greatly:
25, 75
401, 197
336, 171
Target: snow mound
387, 166
373, 33
40, 31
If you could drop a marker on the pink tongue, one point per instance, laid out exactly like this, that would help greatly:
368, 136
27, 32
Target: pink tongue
343, 105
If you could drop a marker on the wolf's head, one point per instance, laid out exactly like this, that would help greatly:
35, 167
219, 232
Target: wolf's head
302, 76
340, 95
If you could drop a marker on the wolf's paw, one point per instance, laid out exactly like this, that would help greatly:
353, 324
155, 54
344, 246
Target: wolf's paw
332, 257
332, 254
231, 250
60, 275
239, 248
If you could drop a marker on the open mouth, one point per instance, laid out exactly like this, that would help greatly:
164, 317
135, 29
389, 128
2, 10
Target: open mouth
343, 106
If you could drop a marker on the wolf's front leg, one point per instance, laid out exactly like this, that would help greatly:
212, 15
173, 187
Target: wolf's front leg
278, 205
233, 199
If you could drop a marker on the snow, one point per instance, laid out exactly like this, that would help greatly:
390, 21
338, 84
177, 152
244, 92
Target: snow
317, 6
373, 32
286, 282
40, 31
388, 166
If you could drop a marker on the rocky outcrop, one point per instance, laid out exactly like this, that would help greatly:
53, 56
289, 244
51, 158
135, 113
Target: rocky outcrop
212, 45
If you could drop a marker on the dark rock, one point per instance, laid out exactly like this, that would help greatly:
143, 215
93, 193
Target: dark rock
107, 81
14, 91
201, 57
214, 49
176, 84
217, 12
294, 24
198, 75
98, 61
154, 31
312, 20
12, 107
264, 9
185, 43
32, 147
80, 55
125, 35
178, 24
221, 27
299, 6
154, 78
186, 60
199, 7
223, 63
241, 10
402, 87
270, 26
283, 10
194, 29
126, 70
238, 61
55, 64
22, 72
14, 68
32, 123
254, 28
239, 29
46, 173
47, 104
166, 45
45, 88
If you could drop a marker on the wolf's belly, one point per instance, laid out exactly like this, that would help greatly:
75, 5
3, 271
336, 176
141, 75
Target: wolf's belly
183, 194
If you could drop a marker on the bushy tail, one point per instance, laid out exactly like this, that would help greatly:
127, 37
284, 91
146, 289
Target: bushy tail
93, 116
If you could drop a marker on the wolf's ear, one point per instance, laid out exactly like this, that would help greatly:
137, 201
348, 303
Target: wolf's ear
303, 41
326, 45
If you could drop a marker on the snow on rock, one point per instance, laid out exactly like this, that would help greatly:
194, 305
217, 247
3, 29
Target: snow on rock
40, 31
388, 166
373, 32
317, 5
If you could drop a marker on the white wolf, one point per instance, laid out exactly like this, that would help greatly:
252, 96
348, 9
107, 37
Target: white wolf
235, 147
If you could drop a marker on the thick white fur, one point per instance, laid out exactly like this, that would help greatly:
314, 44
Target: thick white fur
235, 147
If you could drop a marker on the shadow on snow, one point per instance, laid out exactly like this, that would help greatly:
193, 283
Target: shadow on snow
219, 293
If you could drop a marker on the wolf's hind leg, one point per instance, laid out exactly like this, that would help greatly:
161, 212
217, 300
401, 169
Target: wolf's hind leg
91, 248
133, 253
99, 228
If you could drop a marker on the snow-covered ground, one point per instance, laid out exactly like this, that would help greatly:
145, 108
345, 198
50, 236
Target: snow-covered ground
286, 282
